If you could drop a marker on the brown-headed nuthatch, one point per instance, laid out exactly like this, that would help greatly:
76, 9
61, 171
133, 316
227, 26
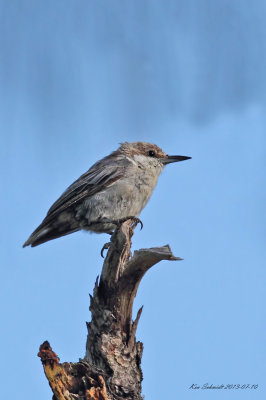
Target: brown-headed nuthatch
113, 189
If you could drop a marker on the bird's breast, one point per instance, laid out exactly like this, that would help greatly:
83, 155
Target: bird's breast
125, 197
143, 184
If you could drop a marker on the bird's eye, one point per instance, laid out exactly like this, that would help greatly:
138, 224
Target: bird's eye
151, 153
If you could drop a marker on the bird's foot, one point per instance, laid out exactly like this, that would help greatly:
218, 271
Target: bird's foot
105, 247
135, 220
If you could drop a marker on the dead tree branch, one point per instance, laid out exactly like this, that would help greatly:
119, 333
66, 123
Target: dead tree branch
111, 367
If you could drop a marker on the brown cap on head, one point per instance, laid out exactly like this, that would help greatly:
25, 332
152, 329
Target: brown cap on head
144, 148
149, 150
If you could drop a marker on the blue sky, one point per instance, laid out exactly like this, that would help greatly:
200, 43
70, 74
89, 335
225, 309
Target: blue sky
76, 79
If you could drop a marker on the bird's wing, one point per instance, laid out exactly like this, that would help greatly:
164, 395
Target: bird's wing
101, 175
98, 177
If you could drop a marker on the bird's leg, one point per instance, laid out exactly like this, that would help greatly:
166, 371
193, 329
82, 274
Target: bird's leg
118, 223
105, 247
135, 220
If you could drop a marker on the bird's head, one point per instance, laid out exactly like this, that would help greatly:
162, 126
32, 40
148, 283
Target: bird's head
149, 153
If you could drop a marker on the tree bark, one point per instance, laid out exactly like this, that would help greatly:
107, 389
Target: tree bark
111, 368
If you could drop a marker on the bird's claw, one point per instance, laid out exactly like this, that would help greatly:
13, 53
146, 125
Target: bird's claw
135, 220
138, 221
105, 247
118, 223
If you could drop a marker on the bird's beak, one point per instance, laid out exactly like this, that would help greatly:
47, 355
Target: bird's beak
171, 159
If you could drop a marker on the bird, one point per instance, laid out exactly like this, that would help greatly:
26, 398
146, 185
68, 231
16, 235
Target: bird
114, 189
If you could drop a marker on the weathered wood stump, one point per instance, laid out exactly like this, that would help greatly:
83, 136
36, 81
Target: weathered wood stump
111, 368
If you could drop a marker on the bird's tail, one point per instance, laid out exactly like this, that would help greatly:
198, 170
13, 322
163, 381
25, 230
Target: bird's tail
37, 237
44, 233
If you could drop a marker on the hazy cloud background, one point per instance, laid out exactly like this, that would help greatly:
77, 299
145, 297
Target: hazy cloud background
77, 78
